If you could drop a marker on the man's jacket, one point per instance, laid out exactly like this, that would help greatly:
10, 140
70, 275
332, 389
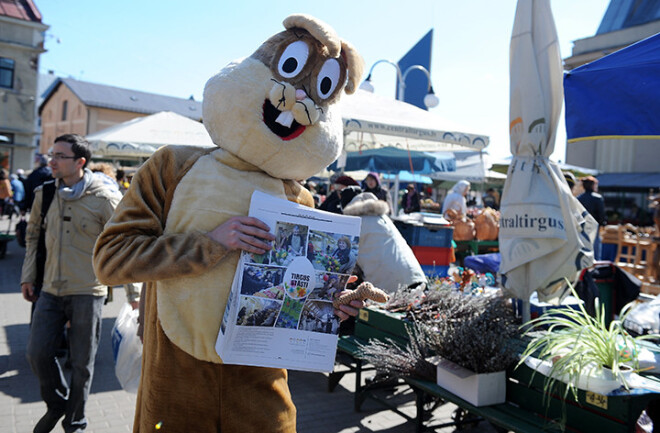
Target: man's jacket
72, 227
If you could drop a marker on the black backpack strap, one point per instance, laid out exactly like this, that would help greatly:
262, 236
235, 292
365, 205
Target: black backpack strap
48, 193
47, 197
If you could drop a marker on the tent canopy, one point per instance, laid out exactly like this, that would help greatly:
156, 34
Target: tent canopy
470, 166
408, 177
629, 181
392, 159
142, 136
616, 96
372, 121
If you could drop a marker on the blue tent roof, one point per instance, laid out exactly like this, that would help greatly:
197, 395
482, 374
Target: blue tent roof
617, 96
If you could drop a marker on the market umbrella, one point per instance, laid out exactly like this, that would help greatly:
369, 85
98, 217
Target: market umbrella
545, 233
394, 159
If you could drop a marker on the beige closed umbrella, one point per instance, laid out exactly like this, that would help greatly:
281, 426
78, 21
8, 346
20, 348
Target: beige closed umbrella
546, 235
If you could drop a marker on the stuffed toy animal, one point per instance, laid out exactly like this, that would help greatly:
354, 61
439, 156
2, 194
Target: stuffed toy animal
274, 120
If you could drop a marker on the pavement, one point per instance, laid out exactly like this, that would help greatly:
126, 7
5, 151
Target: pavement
110, 409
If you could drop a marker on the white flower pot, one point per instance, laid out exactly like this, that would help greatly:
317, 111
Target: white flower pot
477, 389
594, 379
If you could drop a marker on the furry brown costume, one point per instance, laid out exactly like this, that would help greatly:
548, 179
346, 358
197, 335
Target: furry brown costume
272, 117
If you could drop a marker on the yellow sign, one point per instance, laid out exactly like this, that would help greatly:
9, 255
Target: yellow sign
597, 400
364, 315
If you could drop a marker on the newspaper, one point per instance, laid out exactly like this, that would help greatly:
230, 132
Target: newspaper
279, 312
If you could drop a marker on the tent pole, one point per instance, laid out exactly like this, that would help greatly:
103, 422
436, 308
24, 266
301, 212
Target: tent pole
395, 199
526, 315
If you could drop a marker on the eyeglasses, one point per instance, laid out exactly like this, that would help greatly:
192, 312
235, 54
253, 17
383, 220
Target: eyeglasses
60, 156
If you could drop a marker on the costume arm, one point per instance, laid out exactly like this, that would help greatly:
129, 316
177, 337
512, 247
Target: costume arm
29, 272
133, 247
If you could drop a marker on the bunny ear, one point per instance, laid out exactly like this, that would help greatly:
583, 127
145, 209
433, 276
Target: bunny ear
321, 31
355, 65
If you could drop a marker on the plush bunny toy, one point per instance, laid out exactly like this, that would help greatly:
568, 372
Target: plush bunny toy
272, 118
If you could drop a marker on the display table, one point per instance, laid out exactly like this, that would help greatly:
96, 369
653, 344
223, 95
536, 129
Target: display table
475, 247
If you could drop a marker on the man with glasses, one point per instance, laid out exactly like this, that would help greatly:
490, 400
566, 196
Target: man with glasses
71, 292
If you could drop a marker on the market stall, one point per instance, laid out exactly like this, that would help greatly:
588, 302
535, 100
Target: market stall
140, 137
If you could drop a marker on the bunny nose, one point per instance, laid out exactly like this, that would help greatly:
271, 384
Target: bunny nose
300, 94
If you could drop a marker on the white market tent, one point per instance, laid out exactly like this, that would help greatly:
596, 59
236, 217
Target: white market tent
471, 166
373, 121
370, 121
140, 137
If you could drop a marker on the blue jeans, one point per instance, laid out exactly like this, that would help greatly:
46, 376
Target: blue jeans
50, 316
598, 247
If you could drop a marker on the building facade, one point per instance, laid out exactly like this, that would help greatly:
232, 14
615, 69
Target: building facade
73, 106
21, 44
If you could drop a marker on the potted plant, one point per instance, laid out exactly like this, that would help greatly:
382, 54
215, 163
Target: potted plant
460, 341
581, 350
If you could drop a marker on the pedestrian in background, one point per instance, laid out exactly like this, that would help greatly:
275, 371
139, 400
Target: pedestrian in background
5, 192
410, 200
332, 202
81, 205
372, 184
18, 190
39, 175
595, 205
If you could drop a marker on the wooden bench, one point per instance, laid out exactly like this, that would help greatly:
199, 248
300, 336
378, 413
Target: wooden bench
525, 409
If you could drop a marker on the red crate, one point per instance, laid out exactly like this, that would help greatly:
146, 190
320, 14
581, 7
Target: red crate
432, 255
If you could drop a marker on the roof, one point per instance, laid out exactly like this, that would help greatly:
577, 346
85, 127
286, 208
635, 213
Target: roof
117, 98
622, 14
629, 181
24, 10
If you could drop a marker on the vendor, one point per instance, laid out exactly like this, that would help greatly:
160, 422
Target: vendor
410, 200
456, 198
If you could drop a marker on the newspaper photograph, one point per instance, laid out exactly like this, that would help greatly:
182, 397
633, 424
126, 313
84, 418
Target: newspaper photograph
280, 313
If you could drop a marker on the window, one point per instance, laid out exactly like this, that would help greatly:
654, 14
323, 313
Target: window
6, 138
65, 105
6, 72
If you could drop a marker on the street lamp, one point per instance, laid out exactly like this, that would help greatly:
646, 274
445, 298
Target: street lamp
430, 100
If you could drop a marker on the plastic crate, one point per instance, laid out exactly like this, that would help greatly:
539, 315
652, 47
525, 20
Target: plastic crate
426, 236
438, 256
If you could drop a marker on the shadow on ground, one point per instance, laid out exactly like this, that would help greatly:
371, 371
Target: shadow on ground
17, 380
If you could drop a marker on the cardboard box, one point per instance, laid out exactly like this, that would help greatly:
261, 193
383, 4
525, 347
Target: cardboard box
477, 389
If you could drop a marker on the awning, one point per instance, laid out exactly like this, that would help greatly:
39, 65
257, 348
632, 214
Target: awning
629, 181
616, 96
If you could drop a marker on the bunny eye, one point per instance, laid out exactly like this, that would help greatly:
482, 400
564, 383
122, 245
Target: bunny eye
293, 59
328, 78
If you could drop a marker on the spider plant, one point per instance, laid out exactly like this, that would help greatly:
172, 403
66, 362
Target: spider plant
579, 345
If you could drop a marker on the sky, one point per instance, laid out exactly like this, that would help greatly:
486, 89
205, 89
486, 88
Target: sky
173, 47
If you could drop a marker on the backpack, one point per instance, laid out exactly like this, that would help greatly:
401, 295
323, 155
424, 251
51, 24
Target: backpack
20, 229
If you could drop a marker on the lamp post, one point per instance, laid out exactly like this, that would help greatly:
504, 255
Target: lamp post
430, 100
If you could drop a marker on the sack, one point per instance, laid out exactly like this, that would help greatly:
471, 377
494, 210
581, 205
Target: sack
127, 349
463, 229
487, 225
20, 229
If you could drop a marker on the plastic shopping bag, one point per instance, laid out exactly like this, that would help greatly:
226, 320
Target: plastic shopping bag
127, 348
